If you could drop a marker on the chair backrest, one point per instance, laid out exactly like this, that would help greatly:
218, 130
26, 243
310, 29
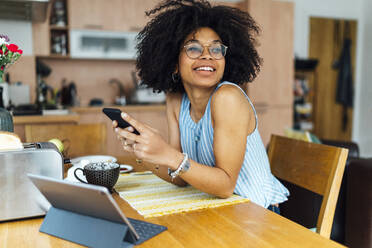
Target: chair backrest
315, 167
82, 139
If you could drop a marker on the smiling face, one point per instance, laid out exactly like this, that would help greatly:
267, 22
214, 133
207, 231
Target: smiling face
205, 71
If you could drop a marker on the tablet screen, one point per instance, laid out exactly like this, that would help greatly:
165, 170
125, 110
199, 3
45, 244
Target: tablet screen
85, 199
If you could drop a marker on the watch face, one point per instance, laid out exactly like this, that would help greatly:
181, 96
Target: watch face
186, 167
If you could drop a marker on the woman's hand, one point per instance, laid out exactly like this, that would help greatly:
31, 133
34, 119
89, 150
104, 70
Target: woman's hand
149, 145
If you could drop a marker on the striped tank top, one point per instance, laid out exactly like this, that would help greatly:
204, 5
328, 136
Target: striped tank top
255, 180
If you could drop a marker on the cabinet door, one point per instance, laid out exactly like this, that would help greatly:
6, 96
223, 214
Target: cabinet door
133, 17
273, 85
115, 15
88, 14
273, 120
41, 36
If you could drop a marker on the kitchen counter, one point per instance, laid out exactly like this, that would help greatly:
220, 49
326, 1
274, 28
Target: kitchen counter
39, 119
153, 115
129, 108
74, 116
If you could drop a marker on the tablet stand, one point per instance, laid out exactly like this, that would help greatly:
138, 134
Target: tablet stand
86, 230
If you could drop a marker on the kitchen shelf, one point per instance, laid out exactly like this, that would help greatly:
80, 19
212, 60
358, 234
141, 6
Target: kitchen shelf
54, 27
54, 56
68, 57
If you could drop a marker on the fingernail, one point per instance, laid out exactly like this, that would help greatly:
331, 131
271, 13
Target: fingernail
124, 114
116, 129
130, 129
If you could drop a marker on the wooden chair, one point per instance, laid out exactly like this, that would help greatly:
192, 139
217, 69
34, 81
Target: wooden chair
82, 139
315, 167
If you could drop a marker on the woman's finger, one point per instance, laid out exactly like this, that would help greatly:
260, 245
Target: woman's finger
128, 148
114, 124
129, 135
138, 147
133, 122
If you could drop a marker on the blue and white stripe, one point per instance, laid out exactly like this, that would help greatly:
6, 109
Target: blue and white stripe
255, 180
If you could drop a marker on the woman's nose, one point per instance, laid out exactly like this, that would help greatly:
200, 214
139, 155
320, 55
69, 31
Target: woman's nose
206, 54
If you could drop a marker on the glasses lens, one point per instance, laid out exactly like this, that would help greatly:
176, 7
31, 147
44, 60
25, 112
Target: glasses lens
217, 50
194, 50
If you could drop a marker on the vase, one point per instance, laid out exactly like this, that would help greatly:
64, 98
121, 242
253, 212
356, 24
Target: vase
6, 121
2, 72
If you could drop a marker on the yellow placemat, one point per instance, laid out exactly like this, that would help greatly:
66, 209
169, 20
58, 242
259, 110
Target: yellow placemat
152, 196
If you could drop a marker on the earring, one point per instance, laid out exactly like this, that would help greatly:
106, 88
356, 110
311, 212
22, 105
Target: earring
175, 77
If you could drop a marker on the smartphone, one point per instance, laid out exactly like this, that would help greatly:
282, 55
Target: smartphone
115, 115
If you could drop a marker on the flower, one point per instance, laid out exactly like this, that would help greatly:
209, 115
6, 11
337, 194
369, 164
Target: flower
9, 53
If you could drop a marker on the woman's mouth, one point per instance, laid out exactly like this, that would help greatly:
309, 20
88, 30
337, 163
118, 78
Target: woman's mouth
205, 68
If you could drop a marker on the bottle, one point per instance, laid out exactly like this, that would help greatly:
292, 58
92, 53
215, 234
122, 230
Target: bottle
6, 119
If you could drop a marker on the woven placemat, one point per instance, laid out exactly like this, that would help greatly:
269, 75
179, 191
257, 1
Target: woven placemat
152, 196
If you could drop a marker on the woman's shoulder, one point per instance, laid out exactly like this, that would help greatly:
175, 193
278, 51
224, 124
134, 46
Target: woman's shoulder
229, 94
230, 100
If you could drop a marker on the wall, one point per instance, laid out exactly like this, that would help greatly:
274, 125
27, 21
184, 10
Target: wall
19, 32
344, 9
364, 131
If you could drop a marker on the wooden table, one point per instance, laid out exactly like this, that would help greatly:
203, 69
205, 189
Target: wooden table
240, 225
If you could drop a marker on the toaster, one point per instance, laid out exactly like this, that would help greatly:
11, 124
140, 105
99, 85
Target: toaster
19, 198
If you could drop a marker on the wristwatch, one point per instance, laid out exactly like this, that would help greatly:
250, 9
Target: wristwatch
182, 168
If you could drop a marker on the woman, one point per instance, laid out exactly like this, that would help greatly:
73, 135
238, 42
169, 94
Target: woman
198, 55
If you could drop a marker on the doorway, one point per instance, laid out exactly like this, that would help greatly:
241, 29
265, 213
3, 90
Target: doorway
332, 120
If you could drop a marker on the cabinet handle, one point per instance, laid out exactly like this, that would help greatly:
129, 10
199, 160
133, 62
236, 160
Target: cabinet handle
93, 26
135, 29
261, 107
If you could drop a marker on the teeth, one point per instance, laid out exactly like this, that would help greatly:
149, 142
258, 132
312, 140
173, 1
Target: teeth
204, 68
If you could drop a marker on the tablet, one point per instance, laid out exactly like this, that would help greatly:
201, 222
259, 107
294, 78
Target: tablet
86, 199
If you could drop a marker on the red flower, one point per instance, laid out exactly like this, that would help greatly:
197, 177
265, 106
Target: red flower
12, 47
19, 51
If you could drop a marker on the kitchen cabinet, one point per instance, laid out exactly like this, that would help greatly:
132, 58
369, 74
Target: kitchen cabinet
117, 15
50, 39
91, 14
20, 122
271, 92
272, 120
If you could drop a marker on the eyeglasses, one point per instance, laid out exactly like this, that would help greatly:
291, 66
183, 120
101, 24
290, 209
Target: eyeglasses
194, 50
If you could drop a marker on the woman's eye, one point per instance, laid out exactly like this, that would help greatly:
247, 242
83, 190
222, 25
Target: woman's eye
216, 50
194, 49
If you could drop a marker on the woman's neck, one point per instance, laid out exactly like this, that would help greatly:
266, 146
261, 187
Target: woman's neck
198, 101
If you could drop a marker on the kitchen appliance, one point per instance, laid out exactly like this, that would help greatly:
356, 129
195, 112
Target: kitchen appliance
19, 198
19, 94
143, 94
100, 44
25, 10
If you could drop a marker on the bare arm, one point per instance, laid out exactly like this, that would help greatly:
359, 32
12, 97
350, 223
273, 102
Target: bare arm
231, 116
173, 103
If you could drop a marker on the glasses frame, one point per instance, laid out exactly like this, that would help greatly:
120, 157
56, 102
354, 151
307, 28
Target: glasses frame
204, 46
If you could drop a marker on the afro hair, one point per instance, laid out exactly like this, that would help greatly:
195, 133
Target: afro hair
159, 43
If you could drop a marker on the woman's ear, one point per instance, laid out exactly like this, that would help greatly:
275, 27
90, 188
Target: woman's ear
176, 75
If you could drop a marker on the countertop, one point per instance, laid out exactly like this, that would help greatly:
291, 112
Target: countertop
145, 107
74, 116
33, 119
